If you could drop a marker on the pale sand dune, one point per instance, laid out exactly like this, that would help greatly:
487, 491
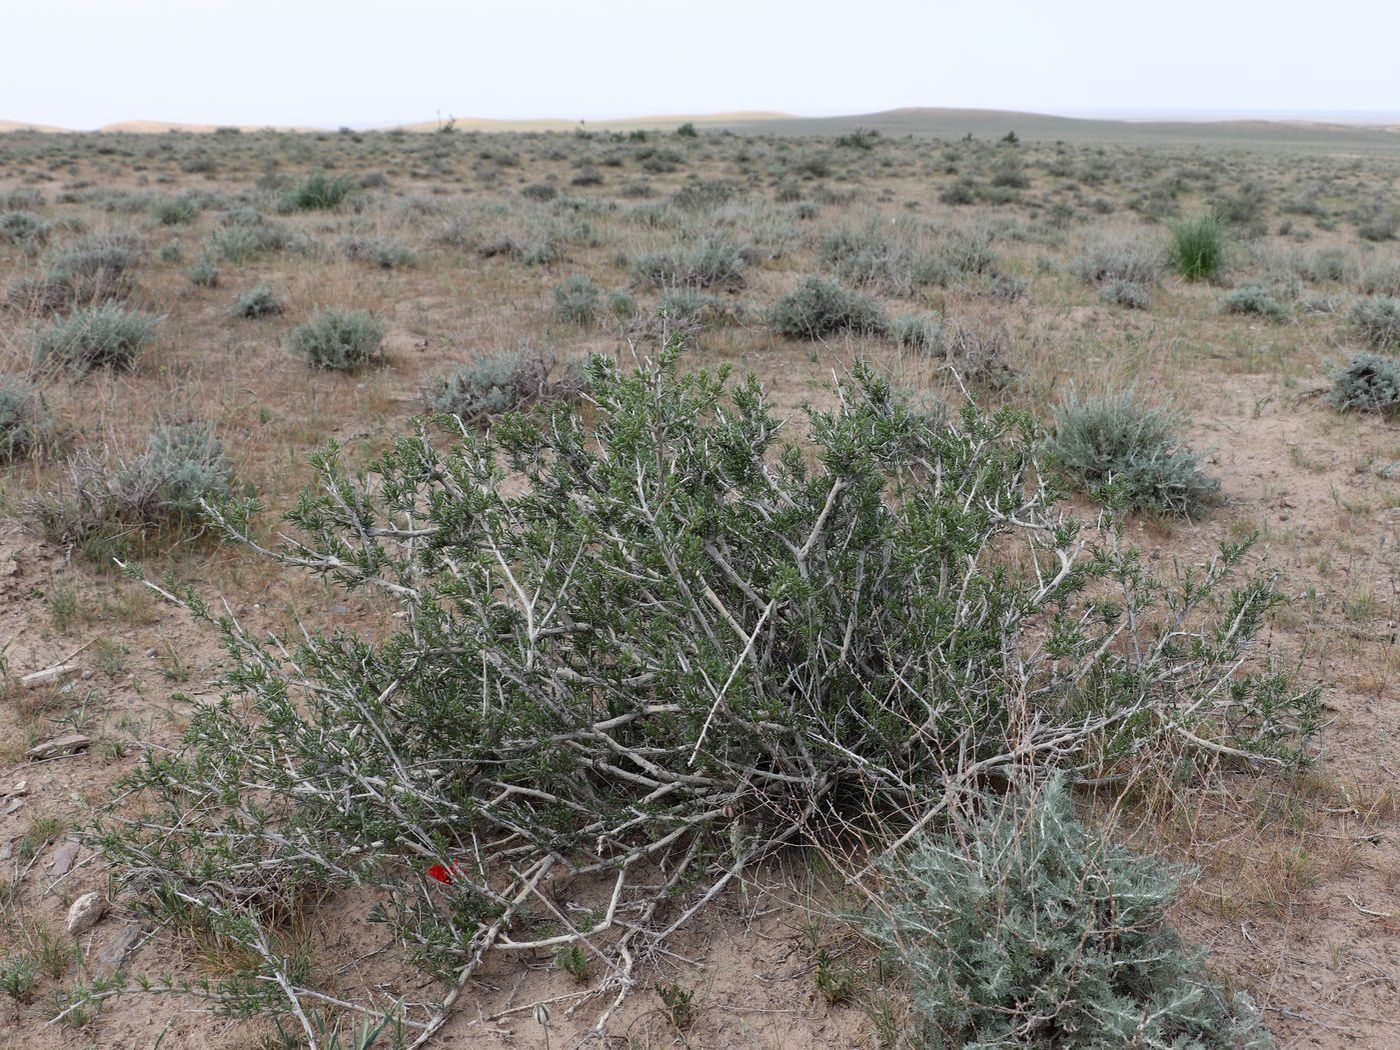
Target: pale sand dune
619, 123
17, 125
156, 127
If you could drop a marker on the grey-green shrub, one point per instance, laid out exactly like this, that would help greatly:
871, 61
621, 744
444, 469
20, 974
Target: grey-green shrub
1120, 261
385, 254
819, 306
506, 381
187, 464
1252, 299
23, 229
1125, 294
339, 340
578, 300
105, 336
622, 304
1114, 444
241, 241
258, 301
174, 211
1018, 926
921, 332
714, 263
203, 274
1367, 383
1377, 320
25, 423
898, 258
697, 309
93, 268
107, 507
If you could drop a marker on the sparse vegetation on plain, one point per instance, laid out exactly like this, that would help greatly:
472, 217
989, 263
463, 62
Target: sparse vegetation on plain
467, 587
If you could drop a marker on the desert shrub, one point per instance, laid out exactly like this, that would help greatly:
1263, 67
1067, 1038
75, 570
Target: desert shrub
198, 164
23, 229
1321, 304
532, 236
1367, 383
693, 309
1252, 299
964, 253
1327, 264
188, 464
1020, 927
203, 274
861, 139
1196, 248
317, 192
687, 131
647, 636
38, 295
494, 384
714, 263
92, 269
979, 354
20, 200
101, 258
105, 505
963, 191
385, 254
1114, 446
578, 300
704, 194
539, 192
1379, 227
1008, 173
1120, 261
25, 423
339, 340
174, 211
901, 257
258, 301
921, 332
820, 306
240, 241
1126, 294
622, 304
1381, 278
1244, 207
105, 336
1377, 320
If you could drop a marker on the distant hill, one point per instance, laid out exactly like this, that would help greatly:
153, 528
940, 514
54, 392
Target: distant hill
621, 124
157, 127
983, 123
932, 122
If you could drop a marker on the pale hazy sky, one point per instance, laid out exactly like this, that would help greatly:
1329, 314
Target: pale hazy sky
84, 64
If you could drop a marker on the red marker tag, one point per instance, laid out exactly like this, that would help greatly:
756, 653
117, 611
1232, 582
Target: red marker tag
441, 874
